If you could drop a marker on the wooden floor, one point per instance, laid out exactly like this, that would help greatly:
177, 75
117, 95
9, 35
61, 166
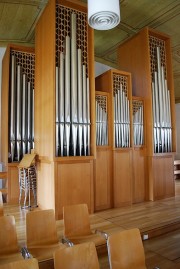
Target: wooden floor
152, 218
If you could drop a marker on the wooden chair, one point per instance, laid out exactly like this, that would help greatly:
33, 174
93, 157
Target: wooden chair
41, 234
9, 249
125, 250
77, 227
24, 264
82, 256
1, 205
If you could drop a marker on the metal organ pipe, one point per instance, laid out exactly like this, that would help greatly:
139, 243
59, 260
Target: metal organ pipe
72, 89
21, 112
18, 115
122, 120
138, 126
161, 109
57, 110
24, 111
80, 128
101, 124
61, 102
13, 100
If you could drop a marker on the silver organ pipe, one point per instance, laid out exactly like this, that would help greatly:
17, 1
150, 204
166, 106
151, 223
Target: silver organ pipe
13, 109
21, 110
138, 125
80, 128
84, 109
57, 110
33, 118
61, 102
161, 109
122, 119
72, 98
24, 112
101, 121
73, 84
29, 117
88, 118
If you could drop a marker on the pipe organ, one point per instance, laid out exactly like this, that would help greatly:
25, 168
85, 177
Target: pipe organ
101, 121
121, 112
116, 157
65, 102
160, 97
21, 109
138, 125
72, 84
134, 139
147, 55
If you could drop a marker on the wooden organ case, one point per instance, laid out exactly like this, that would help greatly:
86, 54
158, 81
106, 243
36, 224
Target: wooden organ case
147, 56
103, 163
64, 106
118, 85
17, 135
140, 187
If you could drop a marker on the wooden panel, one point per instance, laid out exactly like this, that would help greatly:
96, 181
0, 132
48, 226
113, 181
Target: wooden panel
13, 183
103, 179
45, 185
45, 105
74, 184
4, 107
45, 83
161, 180
122, 177
139, 175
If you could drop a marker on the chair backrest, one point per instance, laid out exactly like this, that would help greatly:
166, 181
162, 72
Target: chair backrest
22, 264
41, 228
1, 205
125, 250
8, 235
81, 256
76, 220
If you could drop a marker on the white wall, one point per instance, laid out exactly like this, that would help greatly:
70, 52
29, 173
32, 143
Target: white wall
100, 68
178, 131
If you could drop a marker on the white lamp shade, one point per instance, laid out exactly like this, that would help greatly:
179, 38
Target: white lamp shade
103, 14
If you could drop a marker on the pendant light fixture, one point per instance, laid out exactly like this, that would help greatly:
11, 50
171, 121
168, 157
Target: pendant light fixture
103, 14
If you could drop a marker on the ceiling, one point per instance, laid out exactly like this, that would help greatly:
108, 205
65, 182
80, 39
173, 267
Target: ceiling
18, 19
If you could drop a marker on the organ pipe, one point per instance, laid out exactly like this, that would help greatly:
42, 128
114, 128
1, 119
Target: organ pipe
21, 112
72, 99
122, 119
101, 124
138, 124
161, 109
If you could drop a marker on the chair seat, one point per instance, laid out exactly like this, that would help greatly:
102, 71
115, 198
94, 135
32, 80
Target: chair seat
21, 264
44, 252
7, 258
97, 239
80, 256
